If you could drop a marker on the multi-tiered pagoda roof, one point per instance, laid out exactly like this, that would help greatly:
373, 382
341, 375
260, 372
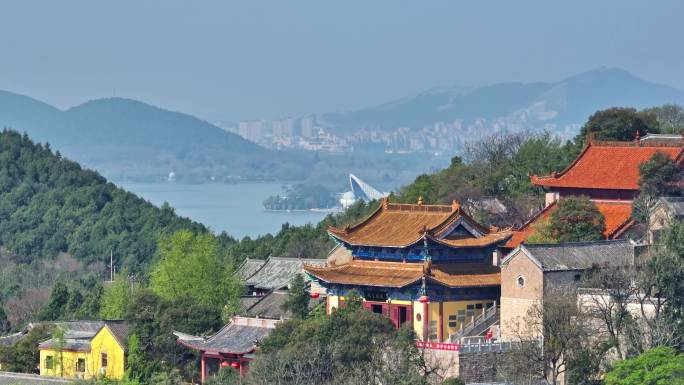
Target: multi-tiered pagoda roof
398, 225
608, 173
387, 245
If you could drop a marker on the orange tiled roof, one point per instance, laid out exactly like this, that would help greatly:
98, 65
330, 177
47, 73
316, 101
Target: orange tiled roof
401, 225
617, 215
485, 240
608, 165
399, 274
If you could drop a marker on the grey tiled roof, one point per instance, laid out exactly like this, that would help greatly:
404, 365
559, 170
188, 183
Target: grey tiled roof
10, 340
271, 306
249, 267
674, 204
248, 301
121, 330
581, 255
277, 273
236, 339
77, 335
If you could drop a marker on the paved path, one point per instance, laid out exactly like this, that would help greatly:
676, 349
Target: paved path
7, 378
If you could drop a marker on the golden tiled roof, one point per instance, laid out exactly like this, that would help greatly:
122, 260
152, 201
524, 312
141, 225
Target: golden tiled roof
401, 225
400, 274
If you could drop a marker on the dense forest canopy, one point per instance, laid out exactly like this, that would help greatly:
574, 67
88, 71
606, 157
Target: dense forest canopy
49, 205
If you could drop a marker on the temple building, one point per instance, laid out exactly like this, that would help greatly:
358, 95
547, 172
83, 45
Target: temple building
261, 309
608, 173
428, 266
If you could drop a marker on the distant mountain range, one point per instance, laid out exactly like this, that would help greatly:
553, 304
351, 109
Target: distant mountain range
561, 106
129, 140
126, 138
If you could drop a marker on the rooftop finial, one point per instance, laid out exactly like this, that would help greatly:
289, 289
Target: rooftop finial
637, 136
385, 202
455, 205
420, 200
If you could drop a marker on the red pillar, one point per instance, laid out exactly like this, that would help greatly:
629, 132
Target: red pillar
440, 327
327, 305
203, 369
426, 321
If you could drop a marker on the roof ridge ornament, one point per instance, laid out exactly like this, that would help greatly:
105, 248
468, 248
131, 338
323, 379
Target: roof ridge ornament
637, 137
420, 200
455, 206
384, 202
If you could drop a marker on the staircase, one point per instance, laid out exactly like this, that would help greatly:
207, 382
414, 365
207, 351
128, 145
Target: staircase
478, 325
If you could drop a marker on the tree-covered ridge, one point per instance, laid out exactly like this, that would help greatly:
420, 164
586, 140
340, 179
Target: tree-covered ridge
49, 205
500, 166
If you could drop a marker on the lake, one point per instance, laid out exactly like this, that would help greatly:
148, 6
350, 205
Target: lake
234, 208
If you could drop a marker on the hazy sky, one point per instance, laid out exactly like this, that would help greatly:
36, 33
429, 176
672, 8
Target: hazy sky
240, 60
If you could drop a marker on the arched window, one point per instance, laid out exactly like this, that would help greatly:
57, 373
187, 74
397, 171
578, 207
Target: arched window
521, 282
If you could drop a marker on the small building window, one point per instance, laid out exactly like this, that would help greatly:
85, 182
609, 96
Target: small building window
470, 310
478, 306
49, 362
521, 282
578, 277
461, 316
80, 365
453, 321
103, 359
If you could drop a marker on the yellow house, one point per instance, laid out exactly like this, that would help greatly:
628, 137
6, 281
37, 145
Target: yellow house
89, 349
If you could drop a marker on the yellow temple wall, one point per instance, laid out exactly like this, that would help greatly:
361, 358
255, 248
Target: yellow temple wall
453, 308
418, 325
449, 308
333, 303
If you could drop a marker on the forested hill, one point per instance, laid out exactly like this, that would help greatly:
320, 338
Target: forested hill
49, 204
124, 138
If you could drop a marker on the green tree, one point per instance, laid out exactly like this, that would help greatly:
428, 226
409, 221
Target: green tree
655, 180
4, 322
657, 174
663, 282
58, 334
24, 356
225, 376
116, 297
167, 377
189, 265
56, 307
352, 346
659, 366
618, 123
136, 367
577, 219
154, 320
297, 302
670, 117
542, 233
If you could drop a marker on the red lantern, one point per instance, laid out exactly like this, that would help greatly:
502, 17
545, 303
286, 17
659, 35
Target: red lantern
224, 364
315, 295
235, 365
423, 299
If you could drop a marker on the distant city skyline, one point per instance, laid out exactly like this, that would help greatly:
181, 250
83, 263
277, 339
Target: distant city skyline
223, 60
